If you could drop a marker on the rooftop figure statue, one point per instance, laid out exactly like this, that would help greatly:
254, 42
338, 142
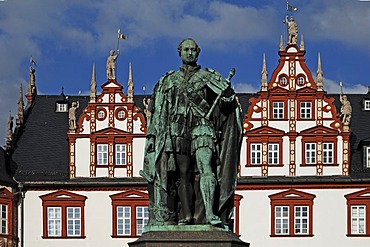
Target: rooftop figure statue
193, 144
111, 65
292, 31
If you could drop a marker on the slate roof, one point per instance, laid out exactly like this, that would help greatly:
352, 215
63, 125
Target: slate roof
5, 177
40, 153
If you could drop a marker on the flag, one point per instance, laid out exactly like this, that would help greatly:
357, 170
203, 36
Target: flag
120, 35
291, 8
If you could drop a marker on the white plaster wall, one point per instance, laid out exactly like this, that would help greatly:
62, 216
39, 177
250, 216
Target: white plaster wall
105, 98
102, 124
136, 126
117, 98
281, 125
256, 124
82, 156
121, 172
98, 222
122, 125
101, 172
138, 155
243, 157
257, 115
284, 70
303, 125
329, 220
299, 69
85, 126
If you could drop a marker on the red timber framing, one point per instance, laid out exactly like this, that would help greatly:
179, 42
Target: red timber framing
63, 199
111, 107
358, 213
264, 136
291, 200
237, 199
295, 106
6, 199
131, 199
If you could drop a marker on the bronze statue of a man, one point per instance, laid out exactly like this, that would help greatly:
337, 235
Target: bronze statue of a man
193, 143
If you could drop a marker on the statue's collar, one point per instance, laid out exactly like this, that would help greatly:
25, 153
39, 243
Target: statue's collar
188, 70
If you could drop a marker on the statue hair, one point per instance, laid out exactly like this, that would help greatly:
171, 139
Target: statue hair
179, 48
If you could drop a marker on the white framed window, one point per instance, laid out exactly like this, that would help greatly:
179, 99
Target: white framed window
3, 218
256, 153
368, 157
367, 105
120, 154
142, 218
278, 110
328, 152
305, 108
123, 221
281, 220
301, 220
310, 153
73, 221
358, 219
273, 153
102, 154
62, 107
54, 221
283, 80
300, 80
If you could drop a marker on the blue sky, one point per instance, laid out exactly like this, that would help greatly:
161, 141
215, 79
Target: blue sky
66, 37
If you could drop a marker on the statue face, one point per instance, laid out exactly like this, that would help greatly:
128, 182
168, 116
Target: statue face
189, 54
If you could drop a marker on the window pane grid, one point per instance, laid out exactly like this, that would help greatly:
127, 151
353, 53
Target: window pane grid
123, 221
3, 219
256, 153
278, 110
301, 220
120, 154
328, 151
306, 110
273, 154
142, 217
102, 154
54, 221
358, 219
73, 221
310, 153
281, 220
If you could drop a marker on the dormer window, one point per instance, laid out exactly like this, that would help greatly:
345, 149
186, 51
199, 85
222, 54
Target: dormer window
367, 105
62, 107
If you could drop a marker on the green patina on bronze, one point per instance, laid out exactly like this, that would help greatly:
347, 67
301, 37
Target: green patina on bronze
193, 143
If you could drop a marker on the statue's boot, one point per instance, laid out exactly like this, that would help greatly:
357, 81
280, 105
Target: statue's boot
207, 188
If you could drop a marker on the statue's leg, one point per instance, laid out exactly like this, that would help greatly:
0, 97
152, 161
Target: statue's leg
207, 182
185, 189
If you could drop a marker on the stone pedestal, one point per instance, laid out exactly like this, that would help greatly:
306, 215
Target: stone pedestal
188, 236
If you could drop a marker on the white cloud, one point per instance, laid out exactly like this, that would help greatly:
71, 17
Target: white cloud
333, 87
245, 88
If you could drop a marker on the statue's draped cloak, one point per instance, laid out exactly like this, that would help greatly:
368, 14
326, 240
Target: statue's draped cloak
228, 127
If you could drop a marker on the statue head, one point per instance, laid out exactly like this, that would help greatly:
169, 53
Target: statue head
111, 52
189, 51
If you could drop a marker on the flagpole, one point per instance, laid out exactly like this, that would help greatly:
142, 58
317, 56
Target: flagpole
119, 30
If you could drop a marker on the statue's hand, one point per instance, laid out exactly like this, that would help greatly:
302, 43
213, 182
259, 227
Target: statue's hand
150, 146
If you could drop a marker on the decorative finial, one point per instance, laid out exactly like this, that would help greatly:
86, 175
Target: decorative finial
281, 45
9, 138
130, 86
93, 85
319, 74
20, 107
264, 74
301, 46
